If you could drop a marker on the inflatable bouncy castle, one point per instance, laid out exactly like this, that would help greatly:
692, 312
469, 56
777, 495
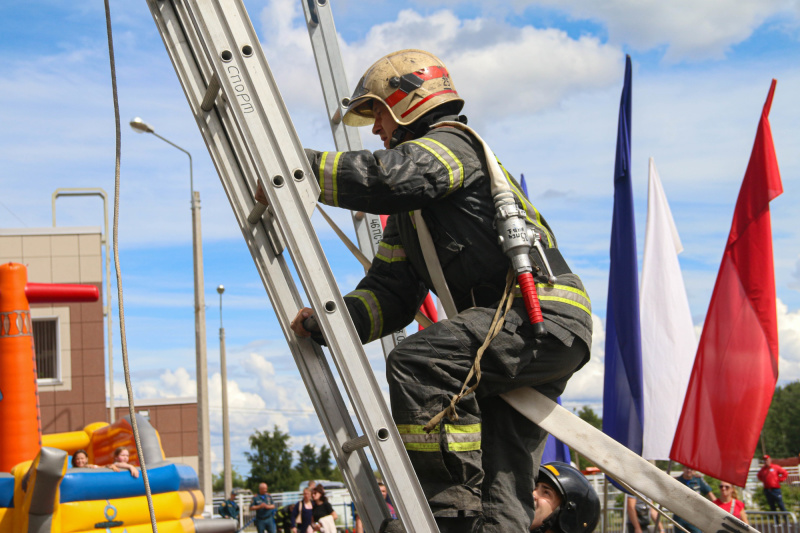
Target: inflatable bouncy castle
39, 491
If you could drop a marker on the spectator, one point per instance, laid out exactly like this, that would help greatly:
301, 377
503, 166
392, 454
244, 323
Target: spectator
385, 494
283, 519
692, 479
324, 515
772, 476
641, 515
229, 508
728, 501
264, 507
121, 458
303, 514
311, 484
80, 459
358, 525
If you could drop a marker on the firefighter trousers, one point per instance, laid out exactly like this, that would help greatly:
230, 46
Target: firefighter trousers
479, 469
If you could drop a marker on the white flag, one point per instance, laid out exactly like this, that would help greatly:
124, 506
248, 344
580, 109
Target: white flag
669, 343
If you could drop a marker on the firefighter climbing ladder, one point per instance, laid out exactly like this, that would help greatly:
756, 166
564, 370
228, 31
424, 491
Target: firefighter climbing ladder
633, 472
251, 139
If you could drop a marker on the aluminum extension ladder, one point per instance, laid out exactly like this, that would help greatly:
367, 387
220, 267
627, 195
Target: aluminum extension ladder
251, 139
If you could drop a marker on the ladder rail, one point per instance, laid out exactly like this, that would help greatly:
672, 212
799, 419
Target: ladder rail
246, 132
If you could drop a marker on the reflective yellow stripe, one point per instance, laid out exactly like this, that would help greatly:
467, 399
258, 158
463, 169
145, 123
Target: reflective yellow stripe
460, 438
373, 307
391, 253
469, 428
463, 446
463, 438
335, 179
328, 169
527, 204
417, 440
564, 294
455, 169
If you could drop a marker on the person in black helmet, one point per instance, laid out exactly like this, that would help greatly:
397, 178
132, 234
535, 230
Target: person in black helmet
564, 501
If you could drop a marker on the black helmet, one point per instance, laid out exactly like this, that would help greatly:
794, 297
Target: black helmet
579, 511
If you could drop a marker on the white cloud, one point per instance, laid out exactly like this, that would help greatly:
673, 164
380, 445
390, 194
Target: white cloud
789, 341
686, 29
585, 387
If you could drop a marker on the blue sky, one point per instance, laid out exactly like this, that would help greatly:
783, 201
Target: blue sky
542, 81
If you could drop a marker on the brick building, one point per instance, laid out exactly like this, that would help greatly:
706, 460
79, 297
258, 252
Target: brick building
70, 341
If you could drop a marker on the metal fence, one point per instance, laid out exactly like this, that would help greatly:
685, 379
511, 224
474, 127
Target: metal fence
339, 499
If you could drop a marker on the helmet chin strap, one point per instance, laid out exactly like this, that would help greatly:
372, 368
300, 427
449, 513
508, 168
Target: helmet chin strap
550, 523
399, 135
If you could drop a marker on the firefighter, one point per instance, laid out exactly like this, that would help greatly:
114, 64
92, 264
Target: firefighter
565, 501
477, 464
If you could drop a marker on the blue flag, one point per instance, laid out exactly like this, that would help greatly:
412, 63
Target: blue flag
524, 186
623, 417
554, 449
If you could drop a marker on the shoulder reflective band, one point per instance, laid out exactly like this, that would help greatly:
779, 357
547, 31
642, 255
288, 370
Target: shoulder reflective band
455, 170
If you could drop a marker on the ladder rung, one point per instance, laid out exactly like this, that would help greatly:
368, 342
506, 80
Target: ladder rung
210, 96
360, 442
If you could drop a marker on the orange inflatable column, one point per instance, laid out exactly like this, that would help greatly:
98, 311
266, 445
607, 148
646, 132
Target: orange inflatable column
20, 427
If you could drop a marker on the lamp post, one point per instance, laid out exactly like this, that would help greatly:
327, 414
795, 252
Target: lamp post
203, 433
105, 240
226, 443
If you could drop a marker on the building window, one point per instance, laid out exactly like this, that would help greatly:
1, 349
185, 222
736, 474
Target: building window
46, 345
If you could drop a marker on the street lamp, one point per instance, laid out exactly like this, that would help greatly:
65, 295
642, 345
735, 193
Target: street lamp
226, 443
105, 240
203, 433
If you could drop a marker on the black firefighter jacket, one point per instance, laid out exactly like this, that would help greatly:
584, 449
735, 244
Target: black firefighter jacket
444, 174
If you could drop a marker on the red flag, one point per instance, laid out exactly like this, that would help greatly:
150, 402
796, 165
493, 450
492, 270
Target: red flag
736, 366
428, 309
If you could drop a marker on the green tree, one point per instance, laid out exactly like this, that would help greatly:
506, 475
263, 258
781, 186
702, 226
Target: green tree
324, 464
237, 479
313, 465
586, 414
271, 461
780, 436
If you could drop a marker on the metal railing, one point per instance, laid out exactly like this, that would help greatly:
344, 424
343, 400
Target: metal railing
773, 521
339, 499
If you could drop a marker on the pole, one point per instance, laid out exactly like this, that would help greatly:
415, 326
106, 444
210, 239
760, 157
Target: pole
226, 443
69, 191
605, 504
203, 431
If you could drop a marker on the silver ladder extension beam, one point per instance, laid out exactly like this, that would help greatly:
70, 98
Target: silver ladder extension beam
333, 79
251, 139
